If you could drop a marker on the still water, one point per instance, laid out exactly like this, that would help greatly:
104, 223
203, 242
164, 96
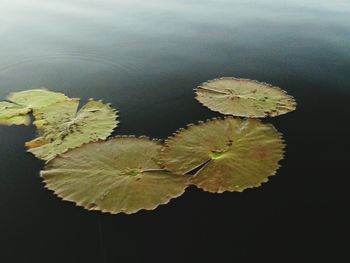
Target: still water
145, 57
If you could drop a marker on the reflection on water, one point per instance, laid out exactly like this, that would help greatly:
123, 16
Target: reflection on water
165, 38
145, 57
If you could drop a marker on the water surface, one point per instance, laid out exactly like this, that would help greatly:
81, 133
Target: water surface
145, 57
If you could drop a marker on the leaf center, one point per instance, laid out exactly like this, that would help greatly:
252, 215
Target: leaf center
131, 172
217, 154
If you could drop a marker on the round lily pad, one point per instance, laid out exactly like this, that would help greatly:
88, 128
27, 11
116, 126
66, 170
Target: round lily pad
232, 154
243, 97
118, 175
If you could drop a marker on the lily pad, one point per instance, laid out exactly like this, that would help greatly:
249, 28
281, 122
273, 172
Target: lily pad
118, 175
36, 98
13, 114
15, 111
245, 98
232, 154
63, 127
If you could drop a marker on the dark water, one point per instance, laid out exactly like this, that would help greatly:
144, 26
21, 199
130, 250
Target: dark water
145, 57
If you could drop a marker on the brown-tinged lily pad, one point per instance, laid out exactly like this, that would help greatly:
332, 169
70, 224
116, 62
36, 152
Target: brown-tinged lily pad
62, 126
232, 153
243, 97
118, 175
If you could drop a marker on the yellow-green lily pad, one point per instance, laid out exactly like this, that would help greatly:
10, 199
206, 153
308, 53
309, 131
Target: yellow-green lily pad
15, 111
13, 114
243, 97
63, 127
232, 154
120, 175
36, 98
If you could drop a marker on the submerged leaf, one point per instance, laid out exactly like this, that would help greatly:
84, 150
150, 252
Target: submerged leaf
13, 114
119, 175
232, 153
63, 127
243, 97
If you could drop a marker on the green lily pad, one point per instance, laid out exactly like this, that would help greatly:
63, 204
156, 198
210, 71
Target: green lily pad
13, 114
36, 98
245, 98
232, 154
63, 127
15, 111
118, 175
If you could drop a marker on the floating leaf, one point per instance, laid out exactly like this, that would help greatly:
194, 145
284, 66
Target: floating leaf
119, 175
243, 97
63, 127
232, 153
56, 117
36, 98
15, 110
13, 114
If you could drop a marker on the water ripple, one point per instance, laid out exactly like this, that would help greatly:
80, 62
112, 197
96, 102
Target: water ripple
69, 56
